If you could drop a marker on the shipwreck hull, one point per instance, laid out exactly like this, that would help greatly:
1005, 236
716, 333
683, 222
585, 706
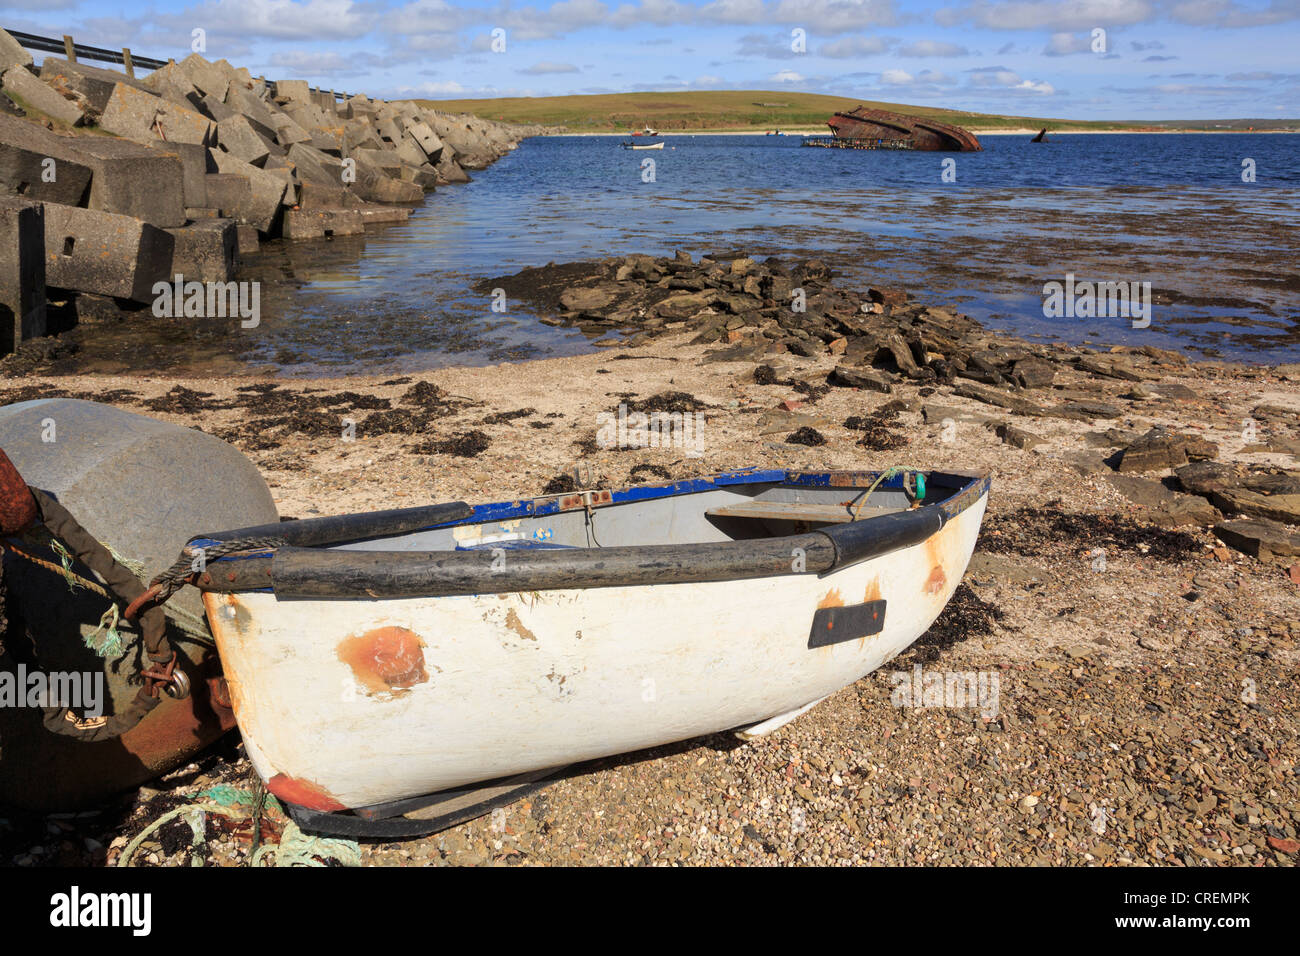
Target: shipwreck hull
872, 128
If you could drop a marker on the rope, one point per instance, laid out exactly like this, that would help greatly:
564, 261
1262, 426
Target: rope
294, 849
111, 644
885, 475
180, 571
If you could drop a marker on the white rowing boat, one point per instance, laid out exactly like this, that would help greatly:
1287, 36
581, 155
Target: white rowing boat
374, 659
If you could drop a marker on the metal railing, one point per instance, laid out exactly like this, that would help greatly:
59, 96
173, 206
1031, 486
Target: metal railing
73, 51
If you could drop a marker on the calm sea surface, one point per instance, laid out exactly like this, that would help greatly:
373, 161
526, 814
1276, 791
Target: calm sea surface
1221, 254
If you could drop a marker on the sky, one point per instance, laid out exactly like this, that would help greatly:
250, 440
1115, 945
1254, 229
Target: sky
1078, 59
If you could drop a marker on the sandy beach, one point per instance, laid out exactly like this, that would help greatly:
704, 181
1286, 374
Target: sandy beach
1147, 711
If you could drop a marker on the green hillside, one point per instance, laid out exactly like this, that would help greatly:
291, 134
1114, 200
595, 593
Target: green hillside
725, 110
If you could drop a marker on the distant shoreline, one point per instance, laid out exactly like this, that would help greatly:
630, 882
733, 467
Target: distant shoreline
663, 134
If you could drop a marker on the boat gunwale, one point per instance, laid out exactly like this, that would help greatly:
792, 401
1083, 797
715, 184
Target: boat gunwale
318, 572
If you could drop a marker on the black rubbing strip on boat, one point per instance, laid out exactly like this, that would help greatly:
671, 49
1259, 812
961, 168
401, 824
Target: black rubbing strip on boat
834, 625
305, 572
336, 529
859, 540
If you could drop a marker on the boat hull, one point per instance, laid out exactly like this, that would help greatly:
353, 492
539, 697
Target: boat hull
350, 703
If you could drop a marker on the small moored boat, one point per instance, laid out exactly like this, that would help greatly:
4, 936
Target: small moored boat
375, 659
658, 145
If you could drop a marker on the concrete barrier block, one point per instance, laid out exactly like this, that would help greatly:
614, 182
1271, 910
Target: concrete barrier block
314, 166
171, 83
318, 196
195, 213
288, 132
12, 53
426, 139
254, 109
102, 252
206, 251
140, 116
409, 152
92, 82
103, 173
247, 240
237, 137
207, 77
292, 91
424, 176
322, 223
131, 179
266, 191
36, 166
376, 215
22, 272
195, 166
21, 86
229, 193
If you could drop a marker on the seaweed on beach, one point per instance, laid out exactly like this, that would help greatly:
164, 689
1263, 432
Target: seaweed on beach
668, 402
1035, 531
502, 418
468, 444
965, 616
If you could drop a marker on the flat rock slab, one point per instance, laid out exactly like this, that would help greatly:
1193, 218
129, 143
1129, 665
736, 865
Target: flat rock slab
1161, 448
1260, 538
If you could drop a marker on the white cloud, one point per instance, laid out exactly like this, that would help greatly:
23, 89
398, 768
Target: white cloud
897, 78
544, 68
933, 48
786, 76
846, 48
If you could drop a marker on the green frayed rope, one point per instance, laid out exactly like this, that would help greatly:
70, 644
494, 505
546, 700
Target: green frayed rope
294, 849
885, 476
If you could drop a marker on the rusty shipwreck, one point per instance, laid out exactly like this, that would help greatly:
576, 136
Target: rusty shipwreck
865, 128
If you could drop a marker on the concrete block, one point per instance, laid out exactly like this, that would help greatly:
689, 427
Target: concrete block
195, 165
409, 152
104, 253
424, 176
135, 180
426, 139
254, 109
207, 77
12, 53
21, 86
292, 91
266, 191
22, 272
25, 171
140, 116
206, 250
92, 82
288, 132
246, 238
216, 110
171, 83
195, 213
238, 138
390, 132
318, 196
449, 171
322, 223
229, 192
110, 175
313, 166
375, 215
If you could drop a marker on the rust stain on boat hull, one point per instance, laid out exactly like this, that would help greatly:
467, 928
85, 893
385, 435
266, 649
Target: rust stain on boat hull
386, 660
